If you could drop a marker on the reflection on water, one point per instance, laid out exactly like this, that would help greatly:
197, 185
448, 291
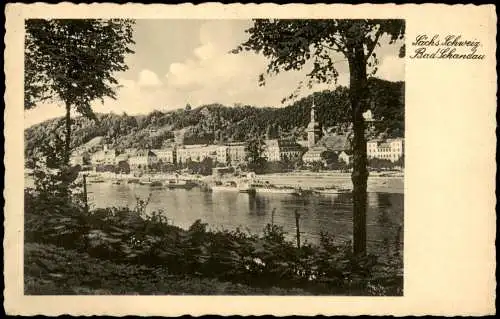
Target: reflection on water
326, 213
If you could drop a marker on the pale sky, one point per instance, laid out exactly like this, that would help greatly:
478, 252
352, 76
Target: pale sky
188, 61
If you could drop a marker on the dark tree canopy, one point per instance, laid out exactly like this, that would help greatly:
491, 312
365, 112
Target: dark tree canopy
74, 60
255, 154
290, 43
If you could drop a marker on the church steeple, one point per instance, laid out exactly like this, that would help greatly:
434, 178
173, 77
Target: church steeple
313, 129
313, 109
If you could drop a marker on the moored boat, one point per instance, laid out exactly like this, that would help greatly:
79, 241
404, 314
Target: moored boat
271, 189
331, 190
156, 184
96, 180
179, 183
227, 187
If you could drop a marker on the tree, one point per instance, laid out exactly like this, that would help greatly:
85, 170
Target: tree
289, 44
123, 167
206, 166
330, 157
74, 61
254, 154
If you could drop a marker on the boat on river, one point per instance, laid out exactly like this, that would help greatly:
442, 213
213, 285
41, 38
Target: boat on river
180, 183
267, 188
96, 180
331, 190
278, 190
232, 186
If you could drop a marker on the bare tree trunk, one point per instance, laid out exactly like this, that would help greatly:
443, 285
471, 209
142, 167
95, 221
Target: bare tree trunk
358, 92
67, 139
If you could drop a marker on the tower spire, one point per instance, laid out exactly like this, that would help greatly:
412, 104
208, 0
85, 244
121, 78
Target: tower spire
313, 129
313, 111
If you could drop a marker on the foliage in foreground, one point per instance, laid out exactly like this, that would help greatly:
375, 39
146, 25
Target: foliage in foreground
124, 236
52, 270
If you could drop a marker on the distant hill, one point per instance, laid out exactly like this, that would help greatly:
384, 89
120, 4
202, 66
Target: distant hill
209, 123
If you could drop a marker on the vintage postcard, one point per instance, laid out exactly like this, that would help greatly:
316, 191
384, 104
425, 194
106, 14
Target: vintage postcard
250, 159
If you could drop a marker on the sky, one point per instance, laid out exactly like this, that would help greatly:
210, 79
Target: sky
188, 61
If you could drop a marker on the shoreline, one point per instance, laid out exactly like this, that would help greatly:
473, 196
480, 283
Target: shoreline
387, 182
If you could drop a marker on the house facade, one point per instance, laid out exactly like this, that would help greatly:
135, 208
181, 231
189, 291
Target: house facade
104, 157
142, 159
314, 154
282, 149
236, 152
388, 149
166, 155
222, 154
196, 153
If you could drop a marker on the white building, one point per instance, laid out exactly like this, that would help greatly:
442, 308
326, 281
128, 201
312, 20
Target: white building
388, 149
236, 152
196, 153
314, 154
282, 149
104, 157
166, 155
142, 159
223, 154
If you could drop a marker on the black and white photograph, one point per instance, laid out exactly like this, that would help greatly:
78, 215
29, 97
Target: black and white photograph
214, 157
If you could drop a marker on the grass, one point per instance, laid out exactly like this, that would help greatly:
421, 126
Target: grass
52, 270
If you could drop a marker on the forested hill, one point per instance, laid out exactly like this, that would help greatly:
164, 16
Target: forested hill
206, 123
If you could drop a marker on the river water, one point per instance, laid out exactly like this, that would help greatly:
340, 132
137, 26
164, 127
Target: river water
228, 210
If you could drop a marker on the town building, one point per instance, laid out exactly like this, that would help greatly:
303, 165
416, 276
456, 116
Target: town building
303, 143
196, 153
391, 149
166, 155
281, 150
314, 154
104, 157
142, 159
236, 152
345, 157
223, 154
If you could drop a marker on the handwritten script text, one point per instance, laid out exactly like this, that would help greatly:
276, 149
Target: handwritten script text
447, 47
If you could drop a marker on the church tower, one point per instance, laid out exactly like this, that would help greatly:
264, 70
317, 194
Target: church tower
313, 129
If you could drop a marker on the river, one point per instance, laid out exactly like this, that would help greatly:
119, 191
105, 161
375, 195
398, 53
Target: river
228, 210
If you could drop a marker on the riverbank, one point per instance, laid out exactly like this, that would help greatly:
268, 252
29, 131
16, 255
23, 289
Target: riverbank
377, 182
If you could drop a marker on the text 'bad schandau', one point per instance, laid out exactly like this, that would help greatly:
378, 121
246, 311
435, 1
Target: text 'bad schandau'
447, 47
